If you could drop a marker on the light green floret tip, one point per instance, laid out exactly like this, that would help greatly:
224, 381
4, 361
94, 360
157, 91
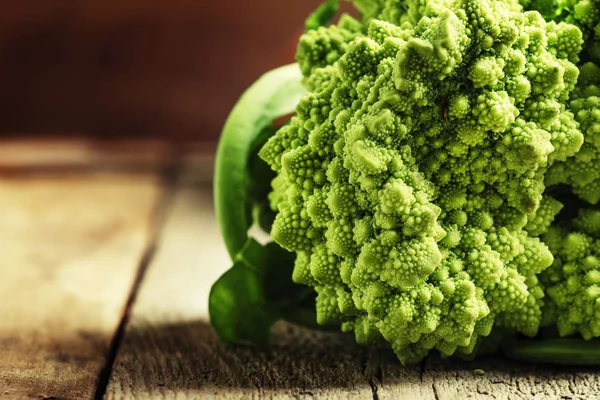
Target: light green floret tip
410, 182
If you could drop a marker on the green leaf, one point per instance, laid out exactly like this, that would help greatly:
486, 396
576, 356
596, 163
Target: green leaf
323, 15
273, 95
256, 292
258, 289
237, 306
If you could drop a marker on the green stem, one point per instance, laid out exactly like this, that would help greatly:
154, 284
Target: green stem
556, 351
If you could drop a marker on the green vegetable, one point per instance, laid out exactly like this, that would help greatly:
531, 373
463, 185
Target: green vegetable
437, 181
274, 95
243, 304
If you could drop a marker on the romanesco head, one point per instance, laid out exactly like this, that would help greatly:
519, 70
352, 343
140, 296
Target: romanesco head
411, 179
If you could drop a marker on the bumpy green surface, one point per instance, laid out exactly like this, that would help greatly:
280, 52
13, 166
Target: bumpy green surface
573, 280
572, 284
411, 182
414, 168
583, 172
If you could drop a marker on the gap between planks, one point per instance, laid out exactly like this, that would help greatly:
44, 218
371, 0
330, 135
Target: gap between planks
74, 223
196, 166
70, 245
170, 177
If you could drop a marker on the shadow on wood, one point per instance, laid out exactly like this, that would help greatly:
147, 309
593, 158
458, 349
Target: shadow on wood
75, 360
188, 359
190, 356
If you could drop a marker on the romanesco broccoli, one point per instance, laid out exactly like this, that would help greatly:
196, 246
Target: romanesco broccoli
429, 178
413, 169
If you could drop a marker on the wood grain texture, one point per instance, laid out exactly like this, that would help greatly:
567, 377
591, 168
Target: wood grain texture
71, 246
185, 360
484, 378
503, 379
170, 351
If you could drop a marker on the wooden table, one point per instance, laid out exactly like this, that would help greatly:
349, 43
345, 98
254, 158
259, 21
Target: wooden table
107, 255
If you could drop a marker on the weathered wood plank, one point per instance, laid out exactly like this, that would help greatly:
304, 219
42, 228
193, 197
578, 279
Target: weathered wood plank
185, 360
497, 378
392, 381
169, 350
484, 378
70, 247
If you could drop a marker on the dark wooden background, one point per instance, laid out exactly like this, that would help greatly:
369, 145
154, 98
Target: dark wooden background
137, 67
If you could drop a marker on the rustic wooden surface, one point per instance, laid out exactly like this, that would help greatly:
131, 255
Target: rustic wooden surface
70, 245
86, 268
170, 350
